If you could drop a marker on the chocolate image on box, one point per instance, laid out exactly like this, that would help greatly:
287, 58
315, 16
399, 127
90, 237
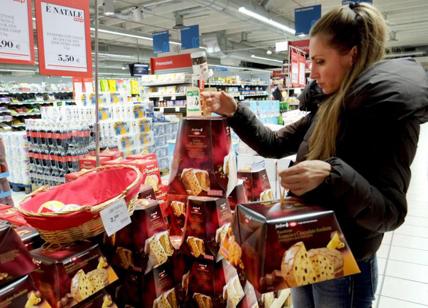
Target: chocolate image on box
22, 293
250, 299
206, 218
158, 286
279, 298
306, 245
146, 192
256, 184
237, 196
70, 274
177, 216
158, 247
201, 158
15, 260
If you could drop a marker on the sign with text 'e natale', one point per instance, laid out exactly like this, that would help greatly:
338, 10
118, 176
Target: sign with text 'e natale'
64, 37
305, 18
346, 2
190, 37
16, 32
161, 42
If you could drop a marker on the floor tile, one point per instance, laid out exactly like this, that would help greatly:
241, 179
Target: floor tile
383, 251
419, 211
408, 271
412, 231
381, 263
416, 221
379, 284
410, 242
411, 291
387, 302
409, 255
387, 238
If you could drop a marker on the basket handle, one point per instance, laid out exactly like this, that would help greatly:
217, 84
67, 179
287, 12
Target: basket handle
37, 191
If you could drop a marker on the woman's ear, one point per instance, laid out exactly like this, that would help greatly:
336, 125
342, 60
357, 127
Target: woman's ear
353, 55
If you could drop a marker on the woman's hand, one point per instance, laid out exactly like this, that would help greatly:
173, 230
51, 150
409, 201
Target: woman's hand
219, 102
305, 176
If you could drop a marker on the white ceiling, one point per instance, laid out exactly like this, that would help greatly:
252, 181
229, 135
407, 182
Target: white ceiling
241, 36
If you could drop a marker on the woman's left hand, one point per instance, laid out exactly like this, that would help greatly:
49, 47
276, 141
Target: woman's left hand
305, 176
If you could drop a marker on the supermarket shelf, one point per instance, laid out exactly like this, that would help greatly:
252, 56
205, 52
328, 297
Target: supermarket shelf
28, 103
237, 84
167, 95
30, 92
27, 114
167, 83
178, 109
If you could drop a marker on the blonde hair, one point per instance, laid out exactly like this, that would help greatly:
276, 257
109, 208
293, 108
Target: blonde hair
359, 25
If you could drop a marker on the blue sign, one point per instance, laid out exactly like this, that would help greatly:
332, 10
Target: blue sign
346, 2
190, 37
305, 18
161, 42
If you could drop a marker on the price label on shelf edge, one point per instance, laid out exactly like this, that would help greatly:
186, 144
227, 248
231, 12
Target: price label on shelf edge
115, 217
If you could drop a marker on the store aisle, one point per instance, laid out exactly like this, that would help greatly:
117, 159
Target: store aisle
403, 257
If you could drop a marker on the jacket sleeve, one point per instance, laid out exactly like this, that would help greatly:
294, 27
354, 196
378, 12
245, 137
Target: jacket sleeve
379, 203
263, 140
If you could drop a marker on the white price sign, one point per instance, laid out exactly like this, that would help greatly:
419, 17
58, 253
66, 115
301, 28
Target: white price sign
16, 32
115, 217
63, 32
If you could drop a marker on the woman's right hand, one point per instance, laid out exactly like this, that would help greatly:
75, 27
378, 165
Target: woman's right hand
219, 102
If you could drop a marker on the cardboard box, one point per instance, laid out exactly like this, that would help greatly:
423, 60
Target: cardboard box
15, 260
22, 293
176, 213
149, 170
305, 246
11, 215
256, 184
150, 156
90, 162
237, 196
71, 273
30, 237
207, 221
158, 286
146, 192
203, 163
214, 284
144, 244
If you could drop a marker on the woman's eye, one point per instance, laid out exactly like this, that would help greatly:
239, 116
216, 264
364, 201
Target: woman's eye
319, 62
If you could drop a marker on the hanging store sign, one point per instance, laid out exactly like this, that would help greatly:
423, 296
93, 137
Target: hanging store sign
190, 37
161, 42
306, 17
171, 64
16, 32
64, 37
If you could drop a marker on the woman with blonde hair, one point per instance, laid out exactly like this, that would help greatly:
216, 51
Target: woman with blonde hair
354, 148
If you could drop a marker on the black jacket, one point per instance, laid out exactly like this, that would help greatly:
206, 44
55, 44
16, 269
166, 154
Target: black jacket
374, 149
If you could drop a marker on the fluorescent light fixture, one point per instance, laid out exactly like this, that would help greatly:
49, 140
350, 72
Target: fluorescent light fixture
130, 35
16, 70
266, 59
269, 52
266, 20
115, 55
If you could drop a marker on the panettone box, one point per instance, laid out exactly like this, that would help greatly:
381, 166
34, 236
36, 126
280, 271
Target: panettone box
15, 260
287, 246
256, 184
203, 164
146, 192
145, 243
11, 215
70, 274
149, 169
176, 212
159, 288
207, 221
30, 237
237, 196
250, 299
22, 293
214, 284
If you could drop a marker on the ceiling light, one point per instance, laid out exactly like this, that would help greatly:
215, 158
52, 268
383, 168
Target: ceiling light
108, 7
130, 35
266, 20
269, 52
267, 59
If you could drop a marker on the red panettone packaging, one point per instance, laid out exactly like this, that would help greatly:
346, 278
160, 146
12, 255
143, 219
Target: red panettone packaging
256, 184
146, 192
214, 284
15, 260
30, 237
149, 170
22, 293
158, 288
90, 162
237, 196
207, 222
150, 156
116, 161
305, 245
74, 175
203, 164
101, 299
11, 215
176, 211
250, 299
128, 293
144, 244
68, 275
111, 154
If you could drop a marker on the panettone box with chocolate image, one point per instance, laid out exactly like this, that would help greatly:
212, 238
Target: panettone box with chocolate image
238, 195
214, 284
15, 260
203, 163
30, 237
145, 243
176, 209
256, 184
207, 221
281, 246
22, 293
69, 274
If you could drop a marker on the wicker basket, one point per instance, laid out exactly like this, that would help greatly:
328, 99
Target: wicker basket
94, 186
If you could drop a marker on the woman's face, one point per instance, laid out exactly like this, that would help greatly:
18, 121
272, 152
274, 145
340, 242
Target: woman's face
329, 67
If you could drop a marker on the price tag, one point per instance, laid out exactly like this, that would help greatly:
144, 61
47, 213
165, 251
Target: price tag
161, 98
177, 109
173, 98
115, 217
241, 97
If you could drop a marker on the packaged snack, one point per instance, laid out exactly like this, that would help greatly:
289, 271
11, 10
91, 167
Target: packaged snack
237, 196
22, 293
70, 274
256, 184
30, 237
15, 260
158, 286
305, 246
